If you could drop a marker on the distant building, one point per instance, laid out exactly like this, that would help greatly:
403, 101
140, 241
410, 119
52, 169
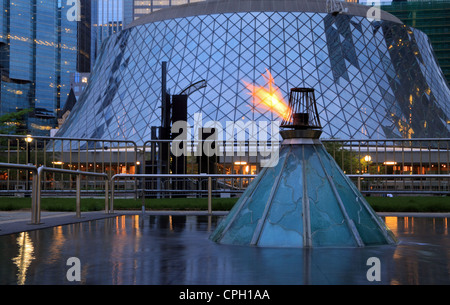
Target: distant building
41, 44
64, 113
431, 17
79, 82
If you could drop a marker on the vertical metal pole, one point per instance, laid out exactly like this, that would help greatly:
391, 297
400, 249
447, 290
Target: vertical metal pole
106, 196
78, 196
8, 158
164, 109
27, 158
111, 204
135, 170
38, 195
209, 195
34, 199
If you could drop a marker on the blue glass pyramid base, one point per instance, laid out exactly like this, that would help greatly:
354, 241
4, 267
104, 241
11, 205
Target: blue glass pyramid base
305, 200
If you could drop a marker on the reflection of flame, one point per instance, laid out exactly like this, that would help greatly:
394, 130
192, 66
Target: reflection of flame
270, 98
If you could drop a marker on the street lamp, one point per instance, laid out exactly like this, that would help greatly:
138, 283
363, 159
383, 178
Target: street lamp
367, 159
28, 140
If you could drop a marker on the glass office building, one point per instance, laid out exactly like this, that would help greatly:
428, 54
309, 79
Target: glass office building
431, 17
373, 78
38, 46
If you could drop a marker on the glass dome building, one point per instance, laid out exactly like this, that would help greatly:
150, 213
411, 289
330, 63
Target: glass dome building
373, 78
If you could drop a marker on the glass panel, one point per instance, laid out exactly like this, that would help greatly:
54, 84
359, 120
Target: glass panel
243, 228
328, 226
284, 224
365, 220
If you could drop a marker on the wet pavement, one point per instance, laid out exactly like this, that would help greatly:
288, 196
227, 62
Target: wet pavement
164, 249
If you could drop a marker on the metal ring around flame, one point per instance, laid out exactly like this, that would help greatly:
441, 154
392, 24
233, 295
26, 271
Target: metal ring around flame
301, 133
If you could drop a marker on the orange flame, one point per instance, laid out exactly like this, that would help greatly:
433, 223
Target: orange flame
270, 98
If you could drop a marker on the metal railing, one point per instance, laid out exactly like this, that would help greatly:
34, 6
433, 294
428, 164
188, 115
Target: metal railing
159, 159
391, 156
209, 177
34, 203
395, 166
413, 184
78, 175
37, 182
88, 155
383, 166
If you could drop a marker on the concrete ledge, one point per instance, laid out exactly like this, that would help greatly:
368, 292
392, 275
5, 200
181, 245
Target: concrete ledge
19, 221
14, 222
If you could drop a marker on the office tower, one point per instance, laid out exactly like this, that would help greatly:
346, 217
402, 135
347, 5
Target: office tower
431, 17
39, 50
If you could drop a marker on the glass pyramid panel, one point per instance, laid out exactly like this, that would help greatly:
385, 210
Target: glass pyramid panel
328, 225
284, 225
304, 201
244, 224
370, 228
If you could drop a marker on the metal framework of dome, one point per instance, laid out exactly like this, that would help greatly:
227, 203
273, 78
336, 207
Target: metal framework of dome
367, 84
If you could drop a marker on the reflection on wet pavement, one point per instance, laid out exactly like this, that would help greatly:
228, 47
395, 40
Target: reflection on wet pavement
176, 250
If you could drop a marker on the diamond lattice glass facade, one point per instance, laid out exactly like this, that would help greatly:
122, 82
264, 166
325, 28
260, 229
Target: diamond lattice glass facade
373, 79
431, 17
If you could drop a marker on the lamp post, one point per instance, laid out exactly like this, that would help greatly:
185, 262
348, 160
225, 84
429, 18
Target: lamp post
28, 140
367, 159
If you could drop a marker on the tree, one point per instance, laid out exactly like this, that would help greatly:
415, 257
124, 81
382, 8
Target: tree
348, 160
14, 122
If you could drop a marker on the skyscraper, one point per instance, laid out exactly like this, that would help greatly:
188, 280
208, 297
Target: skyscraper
431, 17
38, 51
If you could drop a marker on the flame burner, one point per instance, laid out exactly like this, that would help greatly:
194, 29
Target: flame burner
304, 199
303, 120
304, 114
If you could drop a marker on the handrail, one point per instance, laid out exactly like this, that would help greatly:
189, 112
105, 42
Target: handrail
394, 176
182, 176
18, 166
68, 139
36, 186
35, 209
78, 173
385, 140
398, 176
209, 176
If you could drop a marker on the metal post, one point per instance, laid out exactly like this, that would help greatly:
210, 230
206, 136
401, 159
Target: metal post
78, 196
106, 196
38, 195
34, 199
209, 195
111, 205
